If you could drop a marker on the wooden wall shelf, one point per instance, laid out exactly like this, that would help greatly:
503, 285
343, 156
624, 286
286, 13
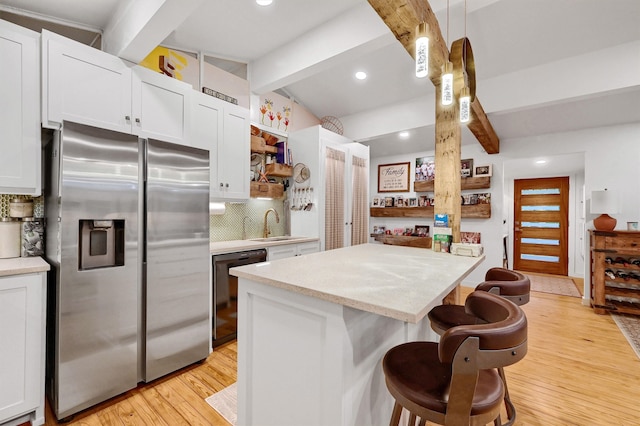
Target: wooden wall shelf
259, 145
478, 211
482, 182
403, 240
279, 170
269, 190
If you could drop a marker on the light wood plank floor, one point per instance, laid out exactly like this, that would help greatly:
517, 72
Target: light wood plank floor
579, 371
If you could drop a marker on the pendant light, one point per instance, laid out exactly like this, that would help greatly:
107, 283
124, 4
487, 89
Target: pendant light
465, 93
447, 74
465, 105
422, 50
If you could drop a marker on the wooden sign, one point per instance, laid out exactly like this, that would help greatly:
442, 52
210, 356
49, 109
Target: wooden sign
393, 177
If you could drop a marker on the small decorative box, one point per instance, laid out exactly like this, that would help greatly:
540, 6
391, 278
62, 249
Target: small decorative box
466, 249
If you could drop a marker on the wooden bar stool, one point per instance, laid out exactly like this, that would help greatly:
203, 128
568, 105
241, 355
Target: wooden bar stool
506, 283
455, 382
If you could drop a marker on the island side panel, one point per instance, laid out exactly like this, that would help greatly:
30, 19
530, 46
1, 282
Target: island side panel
302, 360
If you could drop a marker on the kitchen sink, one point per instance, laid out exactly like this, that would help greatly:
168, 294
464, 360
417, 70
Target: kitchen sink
280, 238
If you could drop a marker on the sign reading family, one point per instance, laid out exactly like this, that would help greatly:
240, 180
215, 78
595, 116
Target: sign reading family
393, 177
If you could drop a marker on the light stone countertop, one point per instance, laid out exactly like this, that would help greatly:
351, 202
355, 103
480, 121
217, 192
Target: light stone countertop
221, 247
22, 265
399, 282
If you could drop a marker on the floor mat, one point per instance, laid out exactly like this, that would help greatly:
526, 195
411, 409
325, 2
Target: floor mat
629, 325
563, 286
225, 402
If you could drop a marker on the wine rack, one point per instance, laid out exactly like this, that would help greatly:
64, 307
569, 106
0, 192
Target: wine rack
615, 271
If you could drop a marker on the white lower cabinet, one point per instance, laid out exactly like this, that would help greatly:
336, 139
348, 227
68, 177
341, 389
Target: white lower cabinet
22, 337
290, 250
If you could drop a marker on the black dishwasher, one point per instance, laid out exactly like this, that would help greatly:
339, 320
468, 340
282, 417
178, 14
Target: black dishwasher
225, 292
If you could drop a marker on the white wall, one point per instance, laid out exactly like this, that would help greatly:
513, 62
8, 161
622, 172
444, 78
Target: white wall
611, 160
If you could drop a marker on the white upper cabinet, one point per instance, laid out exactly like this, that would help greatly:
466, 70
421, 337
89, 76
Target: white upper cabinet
223, 129
89, 86
160, 106
234, 152
85, 85
20, 117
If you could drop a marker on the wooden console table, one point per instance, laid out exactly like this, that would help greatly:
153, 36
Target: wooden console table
615, 271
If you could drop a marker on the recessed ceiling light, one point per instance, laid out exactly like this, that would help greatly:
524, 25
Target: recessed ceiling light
264, 2
541, 162
403, 135
361, 75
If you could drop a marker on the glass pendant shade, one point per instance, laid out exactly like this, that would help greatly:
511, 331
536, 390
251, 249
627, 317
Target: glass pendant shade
465, 105
422, 50
447, 84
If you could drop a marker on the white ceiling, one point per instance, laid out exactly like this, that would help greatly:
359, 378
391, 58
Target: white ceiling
508, 36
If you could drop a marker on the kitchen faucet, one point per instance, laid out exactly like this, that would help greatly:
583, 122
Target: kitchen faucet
244, 227
265, 230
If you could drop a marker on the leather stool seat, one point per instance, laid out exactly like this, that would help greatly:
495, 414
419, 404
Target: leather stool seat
414, 369
509, 284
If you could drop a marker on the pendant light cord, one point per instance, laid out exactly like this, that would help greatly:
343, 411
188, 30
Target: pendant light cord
447, 24
465, 18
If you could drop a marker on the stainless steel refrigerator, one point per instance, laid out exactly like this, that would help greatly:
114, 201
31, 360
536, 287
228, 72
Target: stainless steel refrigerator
128, 241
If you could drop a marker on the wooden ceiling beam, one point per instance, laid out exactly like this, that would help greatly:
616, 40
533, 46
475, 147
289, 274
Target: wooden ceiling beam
402, 17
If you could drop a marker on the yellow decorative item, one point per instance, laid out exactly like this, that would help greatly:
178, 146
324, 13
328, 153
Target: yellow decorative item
166, 61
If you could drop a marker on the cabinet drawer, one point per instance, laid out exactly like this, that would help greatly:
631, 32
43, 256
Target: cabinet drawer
626, 242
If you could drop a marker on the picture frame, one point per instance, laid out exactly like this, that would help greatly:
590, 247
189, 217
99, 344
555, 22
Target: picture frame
466, 168
421, 230
376, 202
413, 202
425, 169
470, 237
484, 170
393, 177
389, 202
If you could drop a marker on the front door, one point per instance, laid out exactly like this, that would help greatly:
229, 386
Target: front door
540, 226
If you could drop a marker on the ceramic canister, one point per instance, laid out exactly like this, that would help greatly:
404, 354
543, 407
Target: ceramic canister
9, 238
20, 208
32, 237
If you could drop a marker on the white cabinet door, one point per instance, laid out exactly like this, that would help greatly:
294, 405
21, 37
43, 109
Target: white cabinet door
290, 250
85, 85
206, 131
234, 153
21, 334
20, 117
281, 252
307, 248
223, 129
160, 106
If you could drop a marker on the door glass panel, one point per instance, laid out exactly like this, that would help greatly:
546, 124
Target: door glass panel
540, 225
540, 258
540, 208
540, 241
540, 191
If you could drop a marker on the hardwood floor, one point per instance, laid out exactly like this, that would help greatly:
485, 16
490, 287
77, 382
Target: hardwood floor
579, 370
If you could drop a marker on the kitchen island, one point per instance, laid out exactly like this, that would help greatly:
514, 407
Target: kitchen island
312, 330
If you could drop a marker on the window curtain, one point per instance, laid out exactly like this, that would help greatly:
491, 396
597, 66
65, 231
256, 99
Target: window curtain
334, 199
360, 208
